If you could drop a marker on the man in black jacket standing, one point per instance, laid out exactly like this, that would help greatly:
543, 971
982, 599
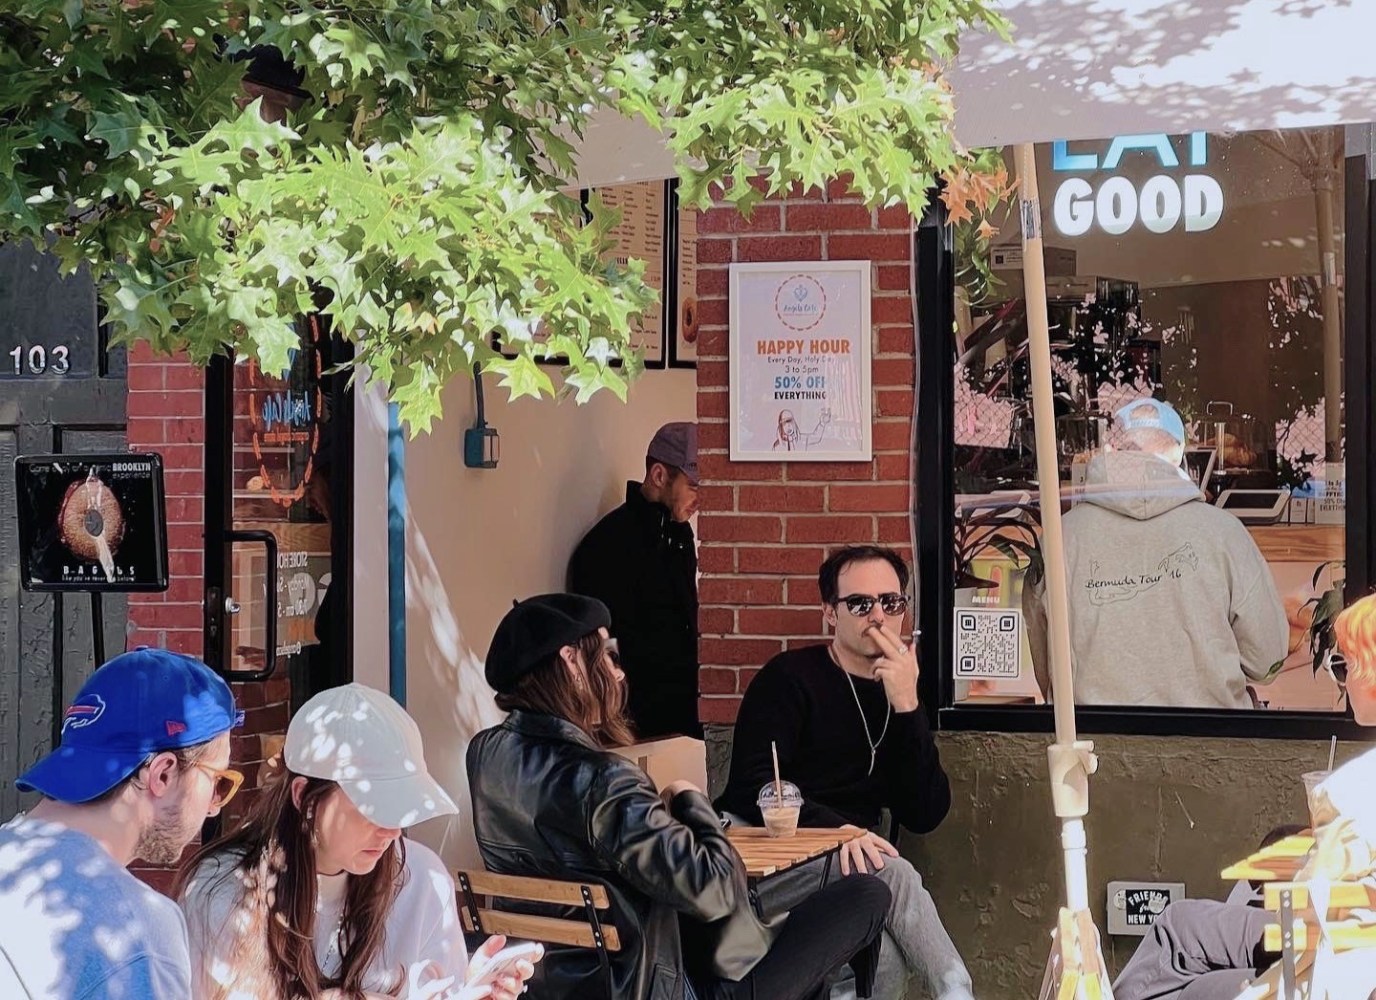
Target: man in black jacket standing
641, 562
851, 735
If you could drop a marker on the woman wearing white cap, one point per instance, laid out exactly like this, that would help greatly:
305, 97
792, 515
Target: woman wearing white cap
317, 894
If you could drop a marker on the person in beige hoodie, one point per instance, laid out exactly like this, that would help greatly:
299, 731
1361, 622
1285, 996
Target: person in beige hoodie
1171, 602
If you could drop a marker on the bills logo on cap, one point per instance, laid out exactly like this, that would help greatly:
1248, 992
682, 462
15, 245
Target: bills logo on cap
173, 728
82, 712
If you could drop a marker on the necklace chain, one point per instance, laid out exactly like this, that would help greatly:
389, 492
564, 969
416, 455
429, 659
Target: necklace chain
888, 712
333, 949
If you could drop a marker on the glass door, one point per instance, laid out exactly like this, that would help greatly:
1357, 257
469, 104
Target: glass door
279, 447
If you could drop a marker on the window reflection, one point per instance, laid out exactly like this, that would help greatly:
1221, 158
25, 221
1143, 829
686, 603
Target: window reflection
1192, 556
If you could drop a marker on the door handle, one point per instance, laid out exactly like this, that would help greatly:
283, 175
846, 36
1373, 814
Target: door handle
269, 542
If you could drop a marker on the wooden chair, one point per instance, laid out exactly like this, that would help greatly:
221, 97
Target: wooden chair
1295, 934
480, 892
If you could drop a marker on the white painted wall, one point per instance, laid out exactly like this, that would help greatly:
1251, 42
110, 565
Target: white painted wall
477, 539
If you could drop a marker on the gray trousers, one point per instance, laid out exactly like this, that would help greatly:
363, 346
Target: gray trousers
1198, 949
915, 942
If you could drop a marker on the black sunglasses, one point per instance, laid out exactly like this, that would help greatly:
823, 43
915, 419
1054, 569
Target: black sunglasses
860, 604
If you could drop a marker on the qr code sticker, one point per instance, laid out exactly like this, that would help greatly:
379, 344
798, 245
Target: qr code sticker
988, 643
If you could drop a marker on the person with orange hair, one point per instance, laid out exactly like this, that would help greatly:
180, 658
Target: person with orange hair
1200, 949
1355, 630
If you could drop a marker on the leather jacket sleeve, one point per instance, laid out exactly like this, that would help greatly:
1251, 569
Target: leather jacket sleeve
681, 858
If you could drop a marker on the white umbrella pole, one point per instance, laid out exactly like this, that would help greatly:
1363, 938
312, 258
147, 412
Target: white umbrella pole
1071, 761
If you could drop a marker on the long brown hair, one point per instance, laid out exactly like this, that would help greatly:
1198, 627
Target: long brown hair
272, 855
597, 706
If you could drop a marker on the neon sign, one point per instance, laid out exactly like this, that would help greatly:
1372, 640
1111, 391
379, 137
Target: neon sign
1117, 205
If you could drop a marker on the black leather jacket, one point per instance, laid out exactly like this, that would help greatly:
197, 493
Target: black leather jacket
548, 802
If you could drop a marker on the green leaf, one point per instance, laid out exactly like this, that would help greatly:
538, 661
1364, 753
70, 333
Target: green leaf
124, 130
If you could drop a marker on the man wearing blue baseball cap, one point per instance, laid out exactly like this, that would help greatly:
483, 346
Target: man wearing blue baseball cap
143, 760
1171, 602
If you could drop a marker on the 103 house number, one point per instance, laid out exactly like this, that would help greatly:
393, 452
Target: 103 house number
40, 360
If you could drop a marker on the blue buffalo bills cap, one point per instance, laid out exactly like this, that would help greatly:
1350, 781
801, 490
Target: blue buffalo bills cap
140, 703
1162, 418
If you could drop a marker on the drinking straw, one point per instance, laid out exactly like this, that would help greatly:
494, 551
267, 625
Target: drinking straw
1332, 750
778, 782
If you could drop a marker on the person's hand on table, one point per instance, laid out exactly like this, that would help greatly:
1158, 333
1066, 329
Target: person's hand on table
864, 854
896, 668
674, 787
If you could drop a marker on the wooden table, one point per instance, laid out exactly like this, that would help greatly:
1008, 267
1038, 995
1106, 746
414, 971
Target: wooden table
1277, 865
765, 856
1295, 931
1278, 862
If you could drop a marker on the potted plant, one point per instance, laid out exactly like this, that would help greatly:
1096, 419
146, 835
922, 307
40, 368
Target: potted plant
1323, 644
1014, 531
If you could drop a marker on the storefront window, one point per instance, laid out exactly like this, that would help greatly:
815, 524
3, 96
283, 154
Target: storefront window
1203, 272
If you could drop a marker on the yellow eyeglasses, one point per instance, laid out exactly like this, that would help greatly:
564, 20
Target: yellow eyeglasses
227, 782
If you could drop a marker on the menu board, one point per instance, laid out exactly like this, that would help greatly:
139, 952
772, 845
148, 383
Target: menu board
683, 346
92, 523
640, 236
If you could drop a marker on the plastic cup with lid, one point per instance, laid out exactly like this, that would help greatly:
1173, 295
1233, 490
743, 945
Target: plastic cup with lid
1318, 810
780, 813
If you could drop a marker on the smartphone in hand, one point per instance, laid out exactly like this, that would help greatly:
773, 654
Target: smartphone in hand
506, 961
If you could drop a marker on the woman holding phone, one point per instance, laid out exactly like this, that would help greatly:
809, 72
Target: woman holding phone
551, 801
316, 894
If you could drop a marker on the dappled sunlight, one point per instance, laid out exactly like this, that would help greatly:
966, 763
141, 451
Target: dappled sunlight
362, 739
441, 886
73, 913
1087, 68
457, 701
452, 663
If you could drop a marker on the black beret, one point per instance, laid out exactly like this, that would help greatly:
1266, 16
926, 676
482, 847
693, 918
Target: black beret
537, 628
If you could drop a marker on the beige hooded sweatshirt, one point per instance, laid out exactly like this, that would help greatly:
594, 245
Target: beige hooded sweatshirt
1171, 602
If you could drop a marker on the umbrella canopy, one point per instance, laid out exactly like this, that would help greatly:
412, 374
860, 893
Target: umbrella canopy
1085, 69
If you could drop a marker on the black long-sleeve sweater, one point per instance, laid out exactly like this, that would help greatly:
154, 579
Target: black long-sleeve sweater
801, 700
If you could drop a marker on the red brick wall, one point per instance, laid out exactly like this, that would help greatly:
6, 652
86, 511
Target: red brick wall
167, 415
765, 527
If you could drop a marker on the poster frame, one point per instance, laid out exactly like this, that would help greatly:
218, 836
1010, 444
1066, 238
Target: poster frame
862, 270
668, 271
158, 527
673, 301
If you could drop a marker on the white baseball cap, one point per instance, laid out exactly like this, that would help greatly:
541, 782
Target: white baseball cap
361, 739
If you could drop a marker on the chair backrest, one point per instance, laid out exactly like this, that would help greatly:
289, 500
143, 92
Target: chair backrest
480, 891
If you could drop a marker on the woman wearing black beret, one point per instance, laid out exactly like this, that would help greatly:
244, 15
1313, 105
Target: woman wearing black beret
550, 800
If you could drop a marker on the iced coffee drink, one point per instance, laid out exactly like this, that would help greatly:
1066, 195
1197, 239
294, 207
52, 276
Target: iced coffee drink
780, 813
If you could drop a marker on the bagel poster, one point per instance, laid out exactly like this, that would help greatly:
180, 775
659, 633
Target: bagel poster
92, 523
800, 362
